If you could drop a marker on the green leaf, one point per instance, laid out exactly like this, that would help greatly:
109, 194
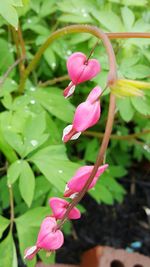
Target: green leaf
47, 8
128, 17
14, 171
141, 105
8, 252
4, 146
55, 103
5, 54
27, 183
130, 2
4, 193
9, 13
101, 193
117, 171
75, 18
112, 24
48, 260
125, 108
137, 72
54, 165
111, 184
3, 224
17, 3
8, 86
50, 57
33, 217
34, 132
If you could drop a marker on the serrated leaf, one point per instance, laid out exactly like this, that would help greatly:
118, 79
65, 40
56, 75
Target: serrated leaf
3, 224
27, 183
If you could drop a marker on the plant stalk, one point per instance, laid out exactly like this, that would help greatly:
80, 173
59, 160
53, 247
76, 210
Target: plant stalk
112, 75
99, 161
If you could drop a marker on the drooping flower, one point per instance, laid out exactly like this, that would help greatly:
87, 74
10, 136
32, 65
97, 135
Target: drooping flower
49, 238
80, 70
86, 115
78, 181
59, 207
125, 87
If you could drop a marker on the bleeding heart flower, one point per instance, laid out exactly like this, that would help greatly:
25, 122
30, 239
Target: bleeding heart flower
49, 238
86, 115
59, 207
78, 181
80, 70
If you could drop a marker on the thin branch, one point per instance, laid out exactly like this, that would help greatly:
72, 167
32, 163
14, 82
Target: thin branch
54, 81
118, 137
11, 207
6, 74
23, 49
127, 35
100, 158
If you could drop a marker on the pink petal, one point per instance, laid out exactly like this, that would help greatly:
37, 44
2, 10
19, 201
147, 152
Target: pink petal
79, 71
48, 237
74, 214
94, 94
59, 207
86, 115
78, 181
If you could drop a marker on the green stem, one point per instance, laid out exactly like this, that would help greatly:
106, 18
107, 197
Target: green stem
112, 75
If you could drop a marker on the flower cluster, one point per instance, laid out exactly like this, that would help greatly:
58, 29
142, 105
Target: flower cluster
87, 114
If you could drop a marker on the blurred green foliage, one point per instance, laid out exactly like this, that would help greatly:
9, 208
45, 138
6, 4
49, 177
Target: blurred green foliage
33, 159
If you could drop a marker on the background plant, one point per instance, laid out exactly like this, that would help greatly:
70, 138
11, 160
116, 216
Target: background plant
34, 162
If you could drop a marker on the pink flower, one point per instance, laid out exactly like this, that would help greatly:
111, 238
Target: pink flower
86, 115
80, 70
59, 207
78, 181
48, 239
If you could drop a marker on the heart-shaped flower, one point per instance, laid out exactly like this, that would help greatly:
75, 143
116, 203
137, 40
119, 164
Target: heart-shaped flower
86, 115
59, 207
49, 238
80, 70
78, 181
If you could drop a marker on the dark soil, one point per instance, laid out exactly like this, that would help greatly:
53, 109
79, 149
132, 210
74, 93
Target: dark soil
118, 226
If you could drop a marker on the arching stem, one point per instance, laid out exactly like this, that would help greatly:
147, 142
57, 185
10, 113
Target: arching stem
100, 157
112, 75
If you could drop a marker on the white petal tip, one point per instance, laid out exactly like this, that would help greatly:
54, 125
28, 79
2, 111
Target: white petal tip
75, 136
66, 131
